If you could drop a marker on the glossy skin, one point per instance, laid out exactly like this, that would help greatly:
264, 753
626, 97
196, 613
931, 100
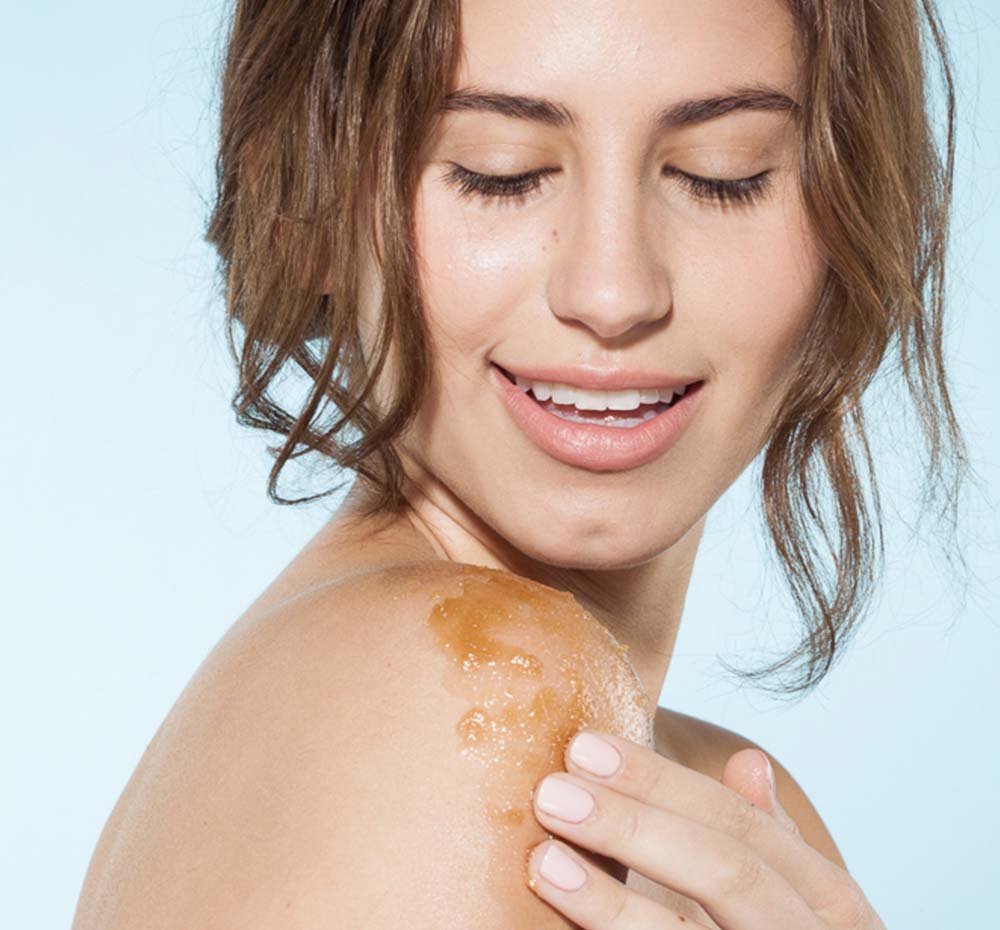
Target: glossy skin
327, 724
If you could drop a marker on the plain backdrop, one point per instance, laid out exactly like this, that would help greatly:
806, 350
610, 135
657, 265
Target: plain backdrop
136, 527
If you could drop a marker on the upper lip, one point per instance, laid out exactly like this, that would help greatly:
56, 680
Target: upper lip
600, 379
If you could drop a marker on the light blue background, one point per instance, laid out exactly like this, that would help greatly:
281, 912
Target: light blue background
136, 526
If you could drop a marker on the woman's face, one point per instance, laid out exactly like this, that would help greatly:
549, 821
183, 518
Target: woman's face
613, 264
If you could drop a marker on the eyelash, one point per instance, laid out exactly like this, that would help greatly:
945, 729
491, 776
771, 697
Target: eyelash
517, 187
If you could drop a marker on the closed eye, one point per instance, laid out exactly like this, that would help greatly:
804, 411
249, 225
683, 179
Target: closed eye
486, 187
517, 188
742, 191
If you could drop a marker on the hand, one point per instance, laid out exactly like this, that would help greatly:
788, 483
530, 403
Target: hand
738, 854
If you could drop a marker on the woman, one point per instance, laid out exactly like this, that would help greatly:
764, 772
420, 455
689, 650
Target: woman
557, 273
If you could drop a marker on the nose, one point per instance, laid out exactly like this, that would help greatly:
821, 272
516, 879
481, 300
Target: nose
609, 271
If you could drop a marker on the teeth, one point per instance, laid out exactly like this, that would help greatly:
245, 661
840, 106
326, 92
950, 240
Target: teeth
596, 400
561, 394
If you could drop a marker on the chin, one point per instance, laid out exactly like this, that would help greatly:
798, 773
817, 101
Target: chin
610, 548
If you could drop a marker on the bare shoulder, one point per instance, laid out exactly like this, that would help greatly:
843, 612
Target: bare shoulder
368, 751
706, 747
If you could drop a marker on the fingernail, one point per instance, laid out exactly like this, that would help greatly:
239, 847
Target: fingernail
596, 755
558, 868
564, 800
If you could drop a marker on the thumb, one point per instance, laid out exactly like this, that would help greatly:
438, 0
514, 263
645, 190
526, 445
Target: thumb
750, 774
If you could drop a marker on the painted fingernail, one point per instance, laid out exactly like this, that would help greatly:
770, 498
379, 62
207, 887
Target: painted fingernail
564, 800
561, 870
597, 756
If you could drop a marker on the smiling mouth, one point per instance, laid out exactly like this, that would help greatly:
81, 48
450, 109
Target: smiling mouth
618, 418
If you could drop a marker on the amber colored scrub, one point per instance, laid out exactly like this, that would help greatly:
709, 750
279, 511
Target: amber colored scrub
534, 668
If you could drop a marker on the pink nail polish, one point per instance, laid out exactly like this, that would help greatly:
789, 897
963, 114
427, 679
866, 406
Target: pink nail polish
561, 870
597, 756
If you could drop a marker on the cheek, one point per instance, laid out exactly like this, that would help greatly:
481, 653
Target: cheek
474, 274
765, 279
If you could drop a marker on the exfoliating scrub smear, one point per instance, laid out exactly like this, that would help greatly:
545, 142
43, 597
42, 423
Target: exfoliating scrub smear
531, 668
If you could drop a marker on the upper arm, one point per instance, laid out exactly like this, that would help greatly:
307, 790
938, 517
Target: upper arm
368, 761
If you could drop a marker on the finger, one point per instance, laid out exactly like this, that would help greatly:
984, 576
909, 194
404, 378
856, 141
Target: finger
732, 883
592, 899
750, 774
661, 783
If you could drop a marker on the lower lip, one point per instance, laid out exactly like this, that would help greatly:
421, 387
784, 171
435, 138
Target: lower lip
597, 448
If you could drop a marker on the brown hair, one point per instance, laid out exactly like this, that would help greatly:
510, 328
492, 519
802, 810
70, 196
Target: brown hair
325, 107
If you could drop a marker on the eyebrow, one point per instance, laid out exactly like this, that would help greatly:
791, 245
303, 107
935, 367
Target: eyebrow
682, 113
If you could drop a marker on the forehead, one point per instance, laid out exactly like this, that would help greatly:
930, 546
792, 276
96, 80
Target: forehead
625, 57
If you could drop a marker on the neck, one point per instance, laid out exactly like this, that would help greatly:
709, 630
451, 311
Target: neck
640, 605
